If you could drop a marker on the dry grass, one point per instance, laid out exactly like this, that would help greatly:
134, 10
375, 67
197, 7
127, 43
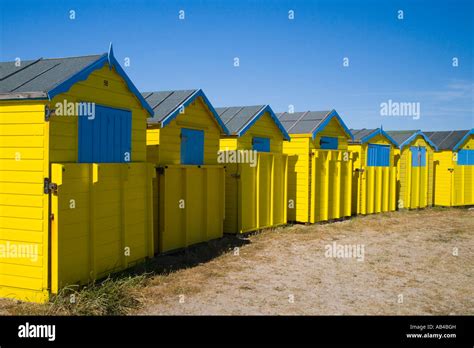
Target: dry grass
407, 253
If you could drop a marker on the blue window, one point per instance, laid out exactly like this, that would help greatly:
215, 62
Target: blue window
261, 144
106, 138
192, 146
418, 156
466, 157
328, 143
378, 155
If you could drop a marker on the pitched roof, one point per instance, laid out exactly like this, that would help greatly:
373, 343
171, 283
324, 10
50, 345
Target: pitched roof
363, 135
302, 122
447, 140
46, 78
238, 119
404, 137
166, 105
309, 122
400, 136
360, 134
37, 77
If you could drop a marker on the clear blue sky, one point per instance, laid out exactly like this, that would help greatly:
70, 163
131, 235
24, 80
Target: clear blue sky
282, 61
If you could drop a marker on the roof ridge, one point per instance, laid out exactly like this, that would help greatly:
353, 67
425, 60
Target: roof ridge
327, 115
253, 116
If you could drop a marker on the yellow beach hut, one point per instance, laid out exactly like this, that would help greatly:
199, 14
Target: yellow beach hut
183, 142
453, 167
75, 188
256, 169
320, 166
415, 171
374, 177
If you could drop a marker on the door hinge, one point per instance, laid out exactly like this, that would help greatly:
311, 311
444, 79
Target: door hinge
47, 113
49, 187
236, 175
51, 217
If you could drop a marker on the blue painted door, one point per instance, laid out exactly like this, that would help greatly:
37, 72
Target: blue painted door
261, 144
378, 155
466, 157
107, 137
418, 156
328, 143
192, 146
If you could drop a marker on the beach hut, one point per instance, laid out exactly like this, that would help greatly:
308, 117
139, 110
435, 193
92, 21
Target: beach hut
75, 188
256, 168
374, 176
414, 160
453, 167
183, 142
320, 166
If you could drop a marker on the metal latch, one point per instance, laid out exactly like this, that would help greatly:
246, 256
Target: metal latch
49, 187
361, 170
235, 175
451, 170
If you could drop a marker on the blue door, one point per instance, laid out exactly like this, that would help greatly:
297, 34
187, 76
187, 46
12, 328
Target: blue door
192, 146
378, 155
328, 143
107, 137
466, 157
261, 144
418, 156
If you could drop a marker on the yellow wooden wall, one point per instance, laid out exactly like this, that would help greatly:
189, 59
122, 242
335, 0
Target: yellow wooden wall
24, 212
263, 127
332, 129
415, 183
164, 145
109, 226
298, 177
63, 129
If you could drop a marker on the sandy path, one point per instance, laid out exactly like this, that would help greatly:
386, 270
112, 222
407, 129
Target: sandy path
406, 254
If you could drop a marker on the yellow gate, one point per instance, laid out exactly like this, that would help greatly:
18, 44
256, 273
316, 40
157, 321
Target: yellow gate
330, 185
189, 205
101, 220
377, 188
256, 196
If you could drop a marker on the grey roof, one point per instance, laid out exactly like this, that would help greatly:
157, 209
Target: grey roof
302, 122
236, 118
164, 103
446, 140
361, 133
34, 78
401, 136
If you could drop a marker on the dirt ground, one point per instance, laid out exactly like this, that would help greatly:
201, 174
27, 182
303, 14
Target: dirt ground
414, 262
410, 266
